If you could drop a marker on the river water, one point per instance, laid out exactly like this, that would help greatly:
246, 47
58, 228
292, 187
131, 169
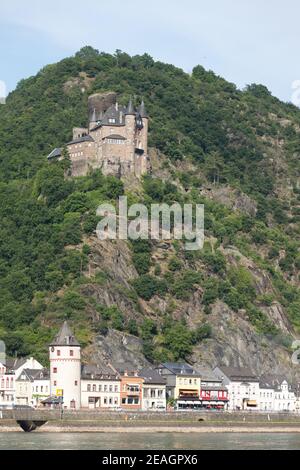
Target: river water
159, 441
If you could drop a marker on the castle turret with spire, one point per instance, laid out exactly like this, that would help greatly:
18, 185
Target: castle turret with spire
65, 368
115, 140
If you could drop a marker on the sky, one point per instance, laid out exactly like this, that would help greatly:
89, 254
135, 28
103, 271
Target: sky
245, 41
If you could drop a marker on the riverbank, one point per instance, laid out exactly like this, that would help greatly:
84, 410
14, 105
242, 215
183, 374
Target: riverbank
134, 428
84, 421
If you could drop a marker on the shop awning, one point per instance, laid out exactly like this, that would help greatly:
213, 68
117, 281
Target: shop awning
252, 403
187, 402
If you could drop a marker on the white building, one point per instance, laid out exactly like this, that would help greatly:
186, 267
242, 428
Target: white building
281, 393
10, 369
154, 390
32, 386
266, 397
65, 368
100, 388
243, 387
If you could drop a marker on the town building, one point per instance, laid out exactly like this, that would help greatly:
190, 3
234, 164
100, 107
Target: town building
32, 387
154, 390
280, 392
10, 369
114, 141
100, 387
183, 383
65, 368
131, 391
266, 396
242, 385
213, 393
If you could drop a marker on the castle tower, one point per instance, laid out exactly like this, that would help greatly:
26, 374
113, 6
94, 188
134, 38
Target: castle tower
141, 151
65, 368
93, 119
130, 126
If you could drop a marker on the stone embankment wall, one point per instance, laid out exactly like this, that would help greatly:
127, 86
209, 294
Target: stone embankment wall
172, 417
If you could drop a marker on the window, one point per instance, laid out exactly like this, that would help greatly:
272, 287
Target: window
58, 352
100, 388
123, 401
71, 352
94, 388
116, 388
105, 388
54, 370
89, 387
111, 120
76, 383
115, 141
110, 388
54, 383
105, 401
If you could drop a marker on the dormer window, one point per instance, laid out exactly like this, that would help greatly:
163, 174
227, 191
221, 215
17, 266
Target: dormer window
112, 121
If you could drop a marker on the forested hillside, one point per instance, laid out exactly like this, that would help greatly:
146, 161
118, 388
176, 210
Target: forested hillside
238, 300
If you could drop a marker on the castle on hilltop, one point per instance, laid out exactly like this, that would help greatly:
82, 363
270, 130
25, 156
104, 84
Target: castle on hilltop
115, 140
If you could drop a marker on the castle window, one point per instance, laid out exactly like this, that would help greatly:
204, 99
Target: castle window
71, 352
58, 352
115, 141
54, 370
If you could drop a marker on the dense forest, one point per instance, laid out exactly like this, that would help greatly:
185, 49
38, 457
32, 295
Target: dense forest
207, 135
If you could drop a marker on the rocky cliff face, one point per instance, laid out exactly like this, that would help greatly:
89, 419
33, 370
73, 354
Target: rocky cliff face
234, 340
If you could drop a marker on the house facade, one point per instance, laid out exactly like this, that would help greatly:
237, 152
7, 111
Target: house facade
131, 388
243, 387
100, 388
213, 393
183, 383
154, 391
277, 388
32, 387
10, 369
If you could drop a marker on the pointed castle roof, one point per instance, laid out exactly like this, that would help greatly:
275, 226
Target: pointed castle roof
142, 110
130, 108
65, 337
